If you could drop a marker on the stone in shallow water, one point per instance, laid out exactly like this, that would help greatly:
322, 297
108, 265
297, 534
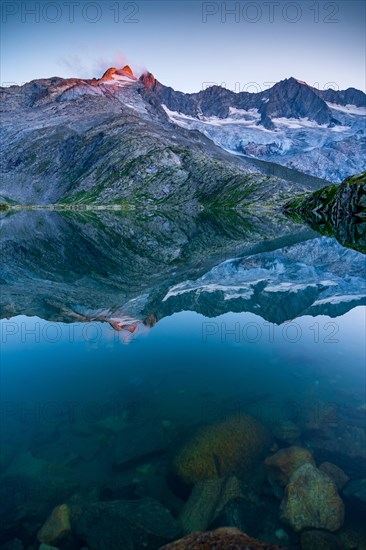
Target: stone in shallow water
335, 473
57, 526
126, 525
206, 501
242, 514
226, 448
319, 540
345, 445
227, 537
312, 501
281, 465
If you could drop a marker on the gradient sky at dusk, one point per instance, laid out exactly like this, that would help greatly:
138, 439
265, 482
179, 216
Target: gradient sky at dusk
187, 44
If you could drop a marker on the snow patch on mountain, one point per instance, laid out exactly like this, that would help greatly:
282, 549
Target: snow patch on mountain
348, 109
297, 123
330, 152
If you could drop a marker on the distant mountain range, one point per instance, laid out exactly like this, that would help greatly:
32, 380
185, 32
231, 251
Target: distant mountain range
133, 141
320, 132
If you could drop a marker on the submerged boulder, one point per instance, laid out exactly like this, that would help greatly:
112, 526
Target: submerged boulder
242, 514
57, 526
335, 473
206, 502
312, 501
129, 525
319, 540
281, 465
227, 537
226, 448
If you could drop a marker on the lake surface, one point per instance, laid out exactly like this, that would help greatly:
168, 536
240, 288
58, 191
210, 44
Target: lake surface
121, 333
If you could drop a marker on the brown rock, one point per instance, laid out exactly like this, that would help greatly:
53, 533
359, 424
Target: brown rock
335, 473
225, 538
312, 501
57, 526
285, 462
231, 447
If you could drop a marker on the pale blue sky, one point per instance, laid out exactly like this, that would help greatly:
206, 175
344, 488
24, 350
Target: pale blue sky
187, 43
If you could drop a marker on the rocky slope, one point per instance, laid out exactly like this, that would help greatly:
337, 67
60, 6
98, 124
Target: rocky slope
109, 140
338, 211
319, 132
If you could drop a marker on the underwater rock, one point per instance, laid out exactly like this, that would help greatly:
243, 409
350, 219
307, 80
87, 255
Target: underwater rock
312, 501
287, 432
129, 525
227, 537
26, 503
47, 547
335, 473
242, 514
206, 501
57, 526
353, 537
319, 540
227, 448
346, 446
281, 465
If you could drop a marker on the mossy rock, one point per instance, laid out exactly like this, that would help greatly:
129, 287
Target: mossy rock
230, 447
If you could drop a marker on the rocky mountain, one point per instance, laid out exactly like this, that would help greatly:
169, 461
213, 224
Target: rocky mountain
110, 141
319, 132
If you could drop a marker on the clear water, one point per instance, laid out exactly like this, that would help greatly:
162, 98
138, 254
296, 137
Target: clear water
120, 335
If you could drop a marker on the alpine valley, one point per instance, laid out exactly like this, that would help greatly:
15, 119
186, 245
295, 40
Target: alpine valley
128, 141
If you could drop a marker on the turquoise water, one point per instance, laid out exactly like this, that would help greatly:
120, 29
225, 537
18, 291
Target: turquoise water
108, 366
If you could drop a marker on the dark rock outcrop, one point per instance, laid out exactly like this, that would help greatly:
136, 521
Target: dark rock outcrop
129, 525
338, 211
